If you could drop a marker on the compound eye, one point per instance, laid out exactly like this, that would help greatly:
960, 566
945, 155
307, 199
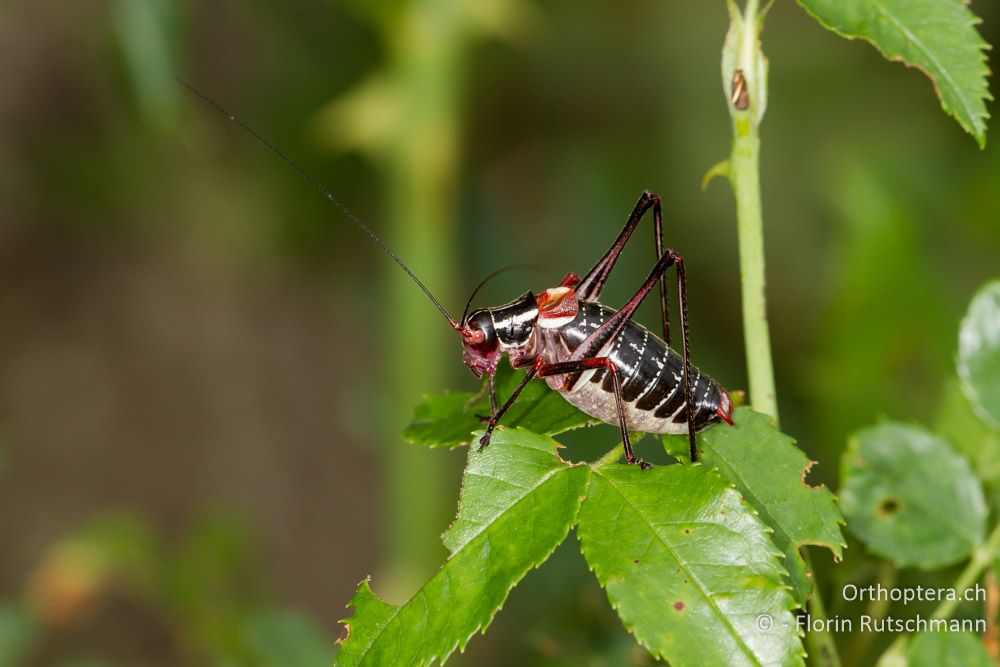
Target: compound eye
474, 336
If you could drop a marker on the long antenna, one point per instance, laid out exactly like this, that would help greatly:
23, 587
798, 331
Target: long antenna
323, 190
489, 278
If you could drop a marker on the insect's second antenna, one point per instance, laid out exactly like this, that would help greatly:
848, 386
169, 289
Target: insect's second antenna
489, 278
323, 190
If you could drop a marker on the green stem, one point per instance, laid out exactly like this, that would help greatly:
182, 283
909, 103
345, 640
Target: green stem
615, 454
744, 173
982, 558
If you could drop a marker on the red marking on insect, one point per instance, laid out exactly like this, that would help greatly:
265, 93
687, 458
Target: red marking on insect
571, 280
471, 336
557, 306
725, 409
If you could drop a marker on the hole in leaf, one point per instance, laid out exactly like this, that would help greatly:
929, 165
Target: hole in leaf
805, 473
888, 507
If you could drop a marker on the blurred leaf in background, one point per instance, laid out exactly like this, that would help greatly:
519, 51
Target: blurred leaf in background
910, 497
147, 33
938, 37
979, 353
960, 425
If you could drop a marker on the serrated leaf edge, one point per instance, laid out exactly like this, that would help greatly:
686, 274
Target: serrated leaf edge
776, 556
977, 118
838, 553
460, 644
556, 446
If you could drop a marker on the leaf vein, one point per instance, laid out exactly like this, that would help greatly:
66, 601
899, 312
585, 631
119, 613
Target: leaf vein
699, 584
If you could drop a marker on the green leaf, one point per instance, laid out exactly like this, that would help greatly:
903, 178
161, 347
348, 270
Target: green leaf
448, 420
958, 423
147, 36
948, 649
769, 471
689, 568
910, 497
519, 500
938, 37
720, 169
979, 353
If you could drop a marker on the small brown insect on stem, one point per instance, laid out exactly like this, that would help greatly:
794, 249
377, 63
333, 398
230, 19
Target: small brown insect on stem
740, 97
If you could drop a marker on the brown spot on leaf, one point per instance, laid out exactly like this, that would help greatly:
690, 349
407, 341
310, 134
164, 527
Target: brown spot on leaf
636, 561
679, 606
887, 507
687, 531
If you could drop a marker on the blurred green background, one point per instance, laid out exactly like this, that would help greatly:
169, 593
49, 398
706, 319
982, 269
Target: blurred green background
204, 367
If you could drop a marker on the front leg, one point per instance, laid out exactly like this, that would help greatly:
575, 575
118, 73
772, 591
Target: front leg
497, 414
519, 358
493, 393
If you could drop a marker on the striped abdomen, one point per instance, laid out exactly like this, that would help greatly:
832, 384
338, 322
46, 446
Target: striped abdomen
651, 376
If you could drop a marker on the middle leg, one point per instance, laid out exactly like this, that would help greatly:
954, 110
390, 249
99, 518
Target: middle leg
565, 367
